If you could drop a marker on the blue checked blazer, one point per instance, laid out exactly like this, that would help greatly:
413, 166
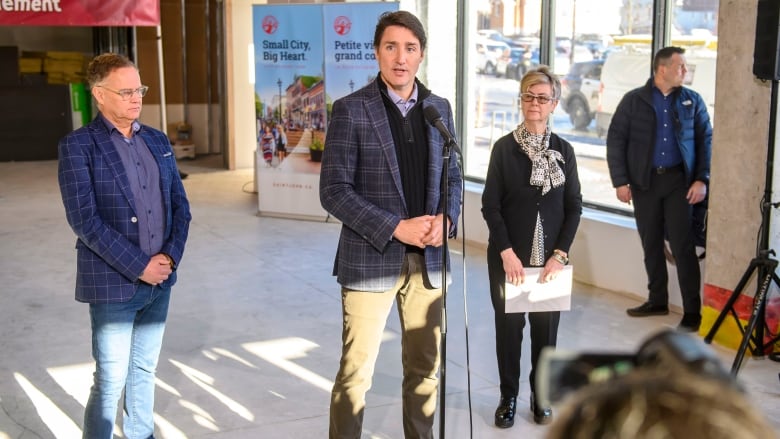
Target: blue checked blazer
360, 184
100, 209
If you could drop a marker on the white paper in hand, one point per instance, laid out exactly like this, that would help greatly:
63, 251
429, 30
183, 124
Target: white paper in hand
532, 296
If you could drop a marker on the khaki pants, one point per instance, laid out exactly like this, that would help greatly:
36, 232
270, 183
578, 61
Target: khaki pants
365, 316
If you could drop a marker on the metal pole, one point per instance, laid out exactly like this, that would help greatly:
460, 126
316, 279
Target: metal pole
133, 44
208, 76
185, 114
444, 253
573, 31
161, 74
279, 83
221, 84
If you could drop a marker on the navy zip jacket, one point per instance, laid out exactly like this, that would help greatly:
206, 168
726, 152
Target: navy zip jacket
631, 137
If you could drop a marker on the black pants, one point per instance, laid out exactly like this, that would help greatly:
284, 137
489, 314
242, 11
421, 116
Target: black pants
509, 332
663, 207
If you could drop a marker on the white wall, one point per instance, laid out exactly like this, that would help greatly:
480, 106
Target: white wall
241, 102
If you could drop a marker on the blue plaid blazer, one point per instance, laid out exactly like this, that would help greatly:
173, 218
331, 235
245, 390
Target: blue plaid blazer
100, 209
360, 184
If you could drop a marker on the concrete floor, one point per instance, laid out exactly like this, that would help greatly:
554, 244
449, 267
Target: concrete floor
253, 336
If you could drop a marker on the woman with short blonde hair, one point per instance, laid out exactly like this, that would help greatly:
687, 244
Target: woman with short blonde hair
532, 205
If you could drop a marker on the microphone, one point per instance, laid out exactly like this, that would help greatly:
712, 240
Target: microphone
434, 118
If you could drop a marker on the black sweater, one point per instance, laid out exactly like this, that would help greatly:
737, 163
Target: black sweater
510, 203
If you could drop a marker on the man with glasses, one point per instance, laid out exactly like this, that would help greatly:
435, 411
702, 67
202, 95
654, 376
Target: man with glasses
126, 203
658, 151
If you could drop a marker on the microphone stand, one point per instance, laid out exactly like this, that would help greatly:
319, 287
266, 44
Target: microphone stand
446, 151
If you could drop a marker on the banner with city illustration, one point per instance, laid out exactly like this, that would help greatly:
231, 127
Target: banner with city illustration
306, 57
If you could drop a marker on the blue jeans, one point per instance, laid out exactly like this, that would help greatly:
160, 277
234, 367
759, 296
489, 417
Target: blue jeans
126, 341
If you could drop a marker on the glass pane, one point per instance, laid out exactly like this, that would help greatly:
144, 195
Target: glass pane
585, 32
504, 43
695, 28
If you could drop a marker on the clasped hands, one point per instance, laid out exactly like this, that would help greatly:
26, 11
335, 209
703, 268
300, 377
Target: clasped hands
515, 273
157, 270
421, 231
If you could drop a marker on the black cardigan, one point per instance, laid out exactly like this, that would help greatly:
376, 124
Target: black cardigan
510, 204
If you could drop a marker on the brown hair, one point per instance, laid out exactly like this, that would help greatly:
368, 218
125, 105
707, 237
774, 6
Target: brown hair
541, 75
646, 404
403, 19
663, 56
102, 65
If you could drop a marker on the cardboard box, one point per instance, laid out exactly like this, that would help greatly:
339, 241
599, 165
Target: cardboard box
182, 151
30, 65
64, 67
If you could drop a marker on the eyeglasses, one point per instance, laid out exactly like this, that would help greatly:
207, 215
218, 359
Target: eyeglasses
127, 93
542, 99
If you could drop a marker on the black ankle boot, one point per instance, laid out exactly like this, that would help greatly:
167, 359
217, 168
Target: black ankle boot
505, 413
542, 415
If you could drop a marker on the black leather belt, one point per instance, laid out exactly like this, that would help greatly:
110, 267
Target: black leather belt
665, 170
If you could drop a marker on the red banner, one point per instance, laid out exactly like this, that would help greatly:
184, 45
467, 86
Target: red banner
79, 12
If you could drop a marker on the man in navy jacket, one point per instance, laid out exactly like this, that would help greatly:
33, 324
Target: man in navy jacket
659, 146
125, 201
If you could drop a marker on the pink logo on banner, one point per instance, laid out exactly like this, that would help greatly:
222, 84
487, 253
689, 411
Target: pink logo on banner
270, 24
342, 25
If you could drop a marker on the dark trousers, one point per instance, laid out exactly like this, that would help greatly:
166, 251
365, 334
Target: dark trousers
663, 208
509, 332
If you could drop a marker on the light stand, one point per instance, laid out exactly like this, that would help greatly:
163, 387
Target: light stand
279, 83
753, 332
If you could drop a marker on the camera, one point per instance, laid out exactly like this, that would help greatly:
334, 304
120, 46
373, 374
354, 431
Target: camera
562, 372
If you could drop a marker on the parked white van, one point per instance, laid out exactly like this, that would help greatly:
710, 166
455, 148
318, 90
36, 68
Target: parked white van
630, 68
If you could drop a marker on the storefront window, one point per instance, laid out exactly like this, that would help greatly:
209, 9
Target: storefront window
502, 48
601, 50
695, 28
585, 32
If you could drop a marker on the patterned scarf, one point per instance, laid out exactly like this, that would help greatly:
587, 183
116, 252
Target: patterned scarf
545, 173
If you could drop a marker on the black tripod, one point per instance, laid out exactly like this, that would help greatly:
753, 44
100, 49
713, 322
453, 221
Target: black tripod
753, 331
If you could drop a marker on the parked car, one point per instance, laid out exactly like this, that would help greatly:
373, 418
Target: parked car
596, 43
490, 34
580, 92
516, 61
564, 57
488, 53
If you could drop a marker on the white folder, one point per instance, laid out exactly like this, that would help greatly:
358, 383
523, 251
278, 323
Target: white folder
532, 296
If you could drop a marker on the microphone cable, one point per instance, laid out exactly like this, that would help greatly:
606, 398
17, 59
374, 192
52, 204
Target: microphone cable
466, 319
465, 296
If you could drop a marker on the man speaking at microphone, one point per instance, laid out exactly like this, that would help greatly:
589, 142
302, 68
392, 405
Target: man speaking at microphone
381, 177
